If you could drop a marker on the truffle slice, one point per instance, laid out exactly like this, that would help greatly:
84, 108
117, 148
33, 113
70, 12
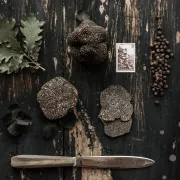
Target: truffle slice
117, 128
115, 103
57, 97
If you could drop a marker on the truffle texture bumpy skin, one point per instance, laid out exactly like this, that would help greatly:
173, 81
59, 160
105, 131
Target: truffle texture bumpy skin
88, 43
57, 97
116, 111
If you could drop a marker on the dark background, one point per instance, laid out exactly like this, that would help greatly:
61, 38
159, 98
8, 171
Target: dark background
128, 21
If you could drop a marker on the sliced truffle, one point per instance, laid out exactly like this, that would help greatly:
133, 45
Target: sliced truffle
115, 104
57, 97
117, 128
88, 43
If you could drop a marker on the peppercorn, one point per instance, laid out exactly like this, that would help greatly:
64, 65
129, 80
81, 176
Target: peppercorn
160, 75
157, 38
165, 64
156, 102
171, 54
159, 32
162, 36
166, 68
169, 66
164, 77
166, 60
164, 72
161, 83
159, 28
151, 46
167, 56
156, 46
167, 42
160, 79
160, 65
165, 86
165, 81
162, 68
158, 68
160, 71
154, 76
165, 47
153, 89
157, 57
153, 72
168, 72
155, 93
152, 68
162, 50
162, 43
168, 50
157, 50
155, 84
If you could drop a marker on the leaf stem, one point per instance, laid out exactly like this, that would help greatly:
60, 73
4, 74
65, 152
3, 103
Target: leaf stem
37, 65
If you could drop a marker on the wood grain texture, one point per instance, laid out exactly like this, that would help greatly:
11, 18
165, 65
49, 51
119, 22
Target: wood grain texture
126, 21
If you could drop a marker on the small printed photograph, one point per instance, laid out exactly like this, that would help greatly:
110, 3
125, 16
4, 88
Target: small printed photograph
125, 57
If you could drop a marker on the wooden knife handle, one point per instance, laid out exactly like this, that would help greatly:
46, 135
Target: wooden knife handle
37, 161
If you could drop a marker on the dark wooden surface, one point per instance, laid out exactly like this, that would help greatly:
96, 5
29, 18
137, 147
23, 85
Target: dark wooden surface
126, 21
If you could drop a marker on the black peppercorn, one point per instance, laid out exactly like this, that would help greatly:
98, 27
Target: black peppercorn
162, 36
165, 47
165, 81
164, 72
168, 50
154, 76
167, 42
162, 43
160, 83
161, 46
159, 43
160, 71
162, 50
159, 28
171, 54
165, 64
153, 89
159, 32
168, 72
164, 77
157, 38
156, 70
157, 57
153, 52
169, 66
156, 46
152, 68
151, 46
160, 65
167, 56
153, 72
157, 50
166, 68
165, 86
155, 93
156, 102
155, 84
162, 68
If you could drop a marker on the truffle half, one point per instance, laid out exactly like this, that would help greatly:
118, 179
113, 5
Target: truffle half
88, 43
57, 97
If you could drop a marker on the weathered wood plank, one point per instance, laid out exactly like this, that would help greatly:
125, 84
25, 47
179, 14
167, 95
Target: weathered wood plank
126, 21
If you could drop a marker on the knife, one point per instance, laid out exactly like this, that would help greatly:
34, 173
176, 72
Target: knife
118, 162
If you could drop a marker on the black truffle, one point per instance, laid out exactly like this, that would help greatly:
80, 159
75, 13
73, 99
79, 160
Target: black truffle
57, 97
88, 43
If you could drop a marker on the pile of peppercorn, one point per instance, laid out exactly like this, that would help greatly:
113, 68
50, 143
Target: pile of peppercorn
160, 63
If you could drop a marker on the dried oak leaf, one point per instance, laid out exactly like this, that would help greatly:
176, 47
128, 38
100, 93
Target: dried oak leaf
57, 97
31, 29
117, 128
88, 43
115, 104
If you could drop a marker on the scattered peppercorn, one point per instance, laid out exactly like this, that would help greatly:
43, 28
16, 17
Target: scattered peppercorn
157, 102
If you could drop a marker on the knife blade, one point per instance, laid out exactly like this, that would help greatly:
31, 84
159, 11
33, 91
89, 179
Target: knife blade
118, 162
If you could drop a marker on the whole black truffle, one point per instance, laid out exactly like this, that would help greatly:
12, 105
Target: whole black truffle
57, 97
88, 43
